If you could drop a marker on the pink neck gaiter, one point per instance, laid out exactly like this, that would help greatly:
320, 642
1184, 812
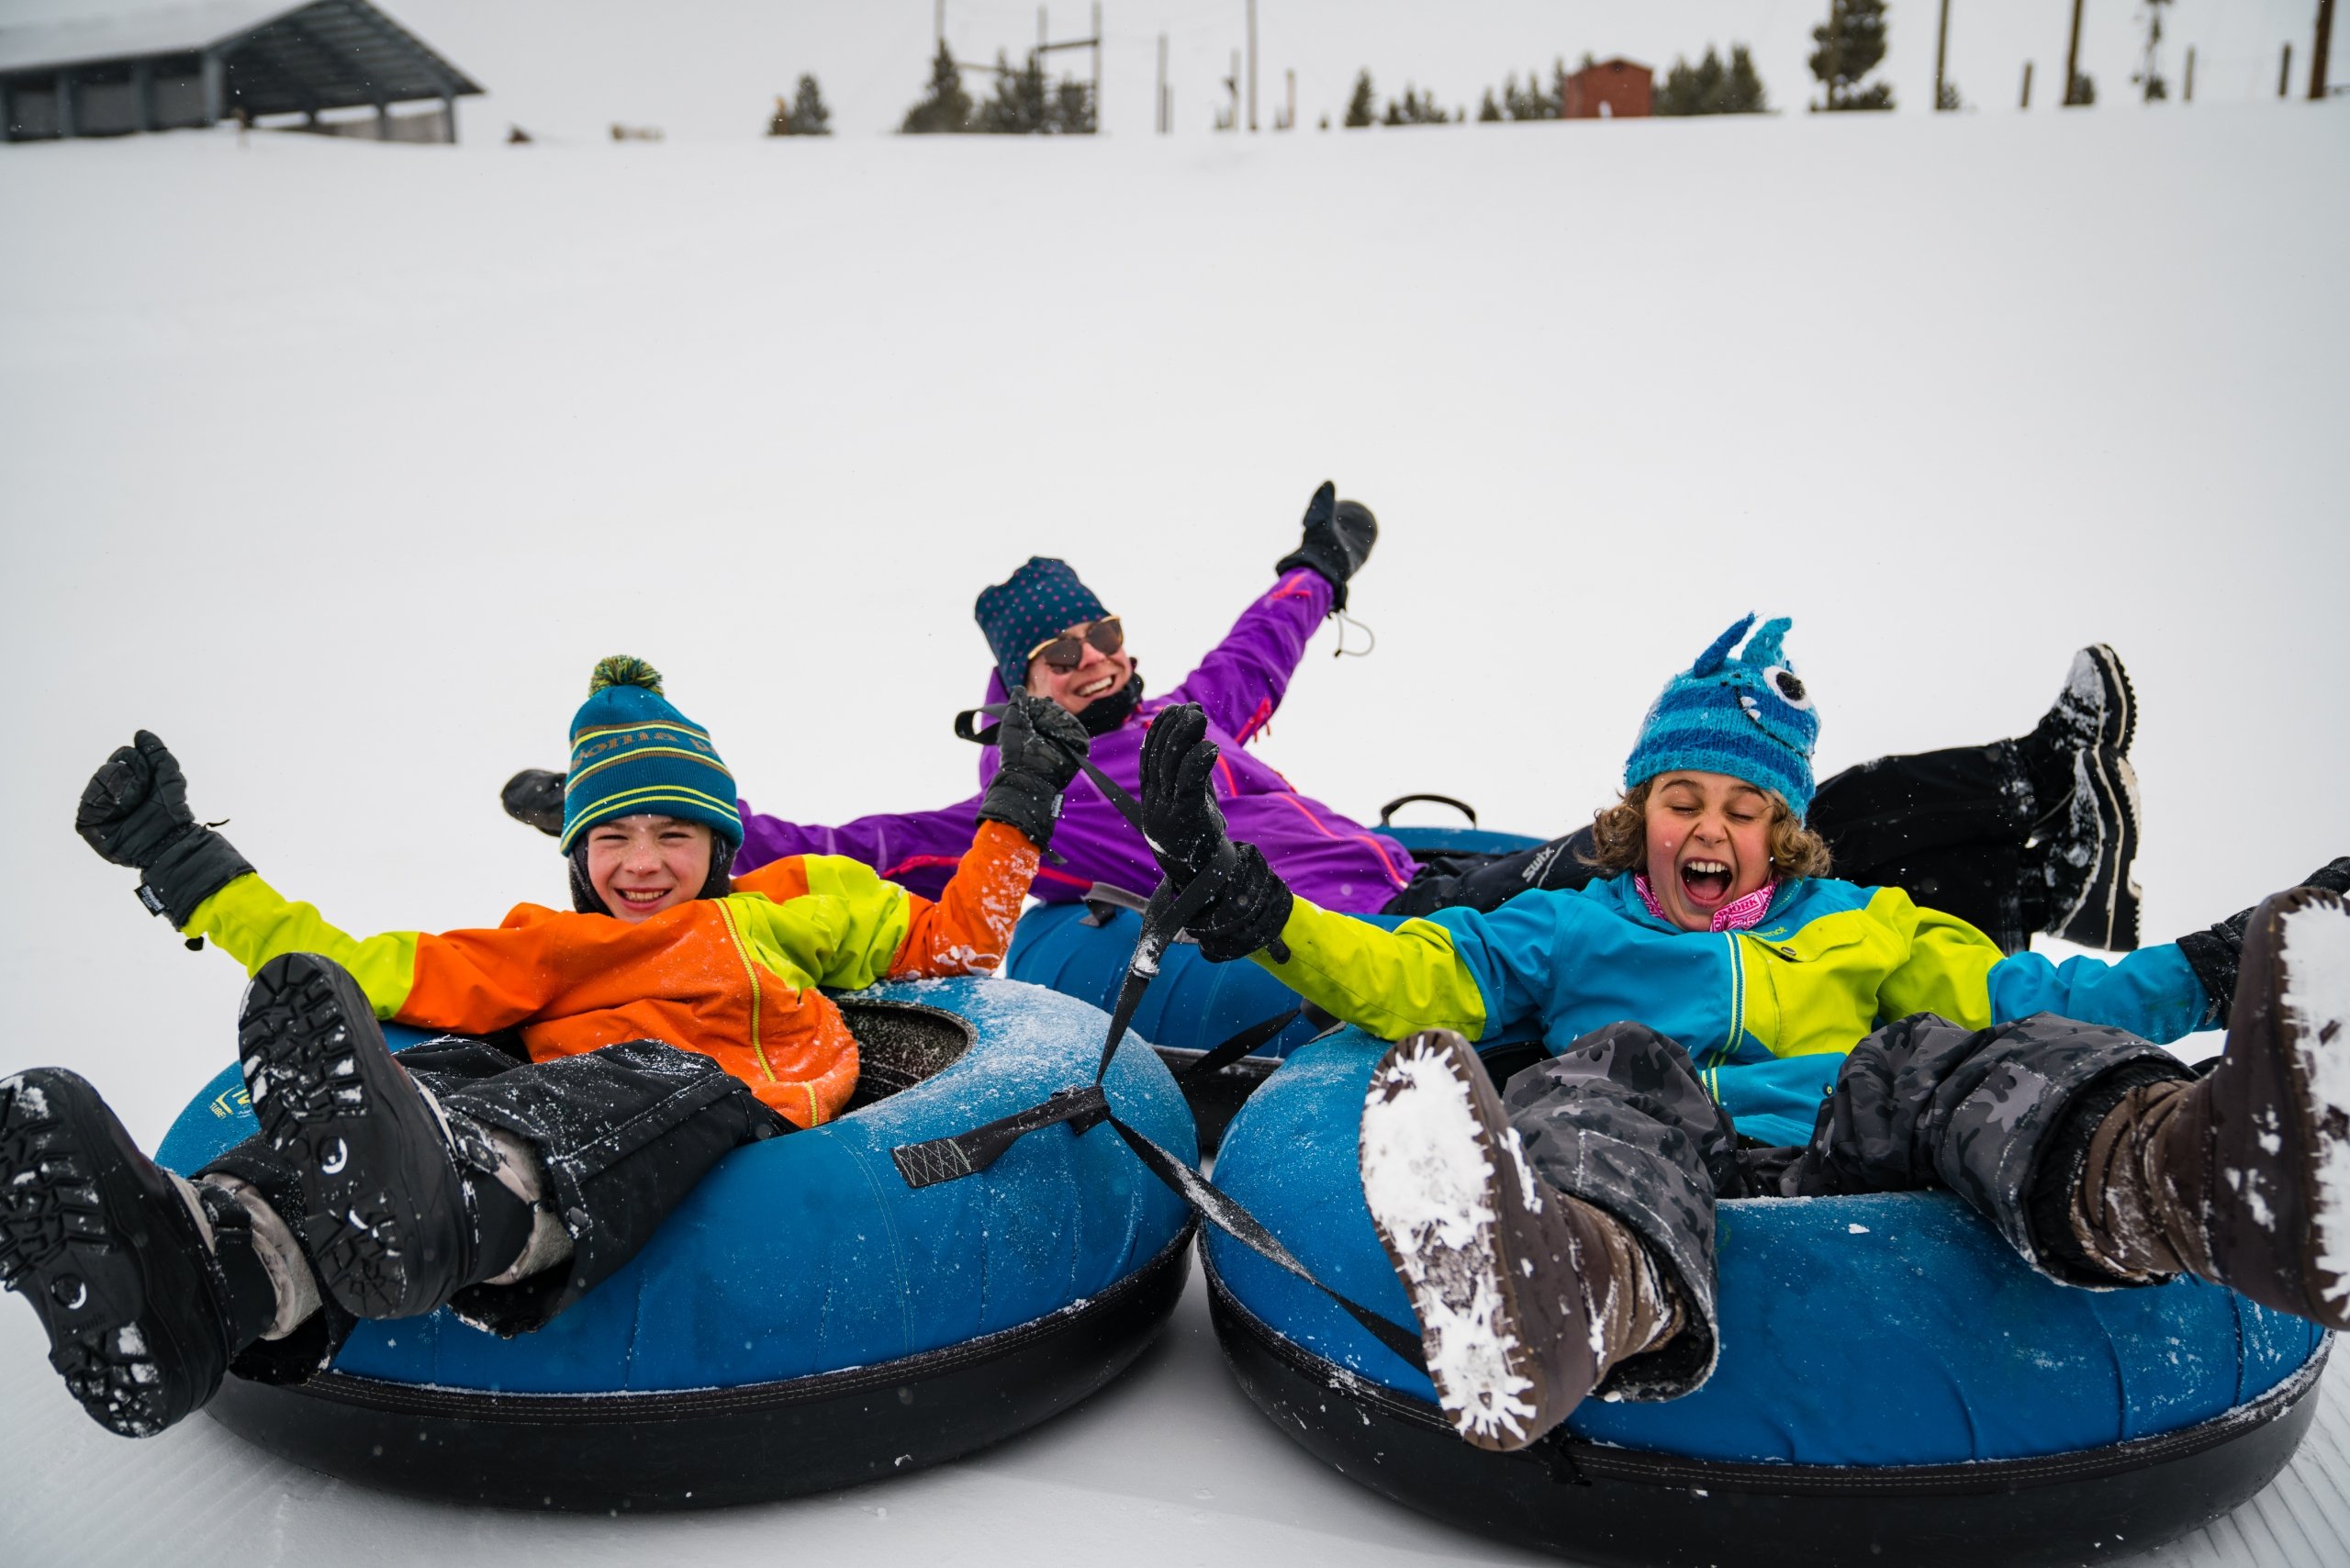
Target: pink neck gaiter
1738, 914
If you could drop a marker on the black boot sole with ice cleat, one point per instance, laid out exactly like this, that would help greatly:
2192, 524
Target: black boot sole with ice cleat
386, 1219
102, 1245
1487, 1259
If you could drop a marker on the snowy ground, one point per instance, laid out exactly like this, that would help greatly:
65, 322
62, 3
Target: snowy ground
339, 464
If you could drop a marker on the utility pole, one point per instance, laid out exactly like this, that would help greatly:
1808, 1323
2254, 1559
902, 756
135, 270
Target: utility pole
2189, 96
2320, 48
2027, 86
2073, 59
2285, 74
1252, 67
1289, 115
937, 26
1096, 67
1941, 53
1164, 125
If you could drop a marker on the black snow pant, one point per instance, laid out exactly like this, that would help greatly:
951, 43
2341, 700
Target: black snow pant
1948, 827
1621, 1121
623, 1134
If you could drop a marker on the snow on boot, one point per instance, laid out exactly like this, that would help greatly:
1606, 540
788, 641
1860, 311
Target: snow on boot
393, 1226
2246, 1175
2097, 709
142, 1315
1526, 1297
535, 797
2085, 850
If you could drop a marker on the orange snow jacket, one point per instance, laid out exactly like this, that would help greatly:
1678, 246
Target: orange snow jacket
732, 977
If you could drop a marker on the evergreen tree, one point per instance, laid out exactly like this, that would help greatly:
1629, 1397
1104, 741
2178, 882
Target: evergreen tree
1416, 108
1073, 108
1489, 110
1709, 87
1851, 43
807, 116
1360, 107
945, 107
2150, 72
1022, 104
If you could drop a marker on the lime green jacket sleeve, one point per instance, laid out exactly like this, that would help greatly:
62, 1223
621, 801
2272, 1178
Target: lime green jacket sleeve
1948, 971
1388, 983
821, 920
252, 922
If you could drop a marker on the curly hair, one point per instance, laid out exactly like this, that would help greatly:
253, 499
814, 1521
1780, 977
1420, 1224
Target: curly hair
1620, 836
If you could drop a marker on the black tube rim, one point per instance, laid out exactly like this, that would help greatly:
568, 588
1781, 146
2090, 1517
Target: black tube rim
1647, 1467
670, 1405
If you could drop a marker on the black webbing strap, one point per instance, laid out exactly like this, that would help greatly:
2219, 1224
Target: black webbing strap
1244, 1043
951, 1159
1164, 917
1230, 1218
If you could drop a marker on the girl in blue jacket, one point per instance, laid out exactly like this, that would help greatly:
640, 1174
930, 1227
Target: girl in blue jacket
1728, 1021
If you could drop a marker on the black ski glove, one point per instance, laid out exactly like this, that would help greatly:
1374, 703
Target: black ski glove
134, 812
535, 797
1339, 537
1040, 742
1186, 832
2214, 952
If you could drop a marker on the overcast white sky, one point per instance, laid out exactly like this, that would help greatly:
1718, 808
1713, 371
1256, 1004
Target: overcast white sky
707, 69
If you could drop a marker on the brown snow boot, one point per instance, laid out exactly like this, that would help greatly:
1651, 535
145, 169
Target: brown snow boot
1526, 1297
2243, 1177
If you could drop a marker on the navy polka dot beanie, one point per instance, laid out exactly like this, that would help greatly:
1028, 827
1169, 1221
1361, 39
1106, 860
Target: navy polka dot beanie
1036, 603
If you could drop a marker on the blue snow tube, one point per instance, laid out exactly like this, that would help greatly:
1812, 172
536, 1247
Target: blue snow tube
1895, 1384
805, 1320
1082, 950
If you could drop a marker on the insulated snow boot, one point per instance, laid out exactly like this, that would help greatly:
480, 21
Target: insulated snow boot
394, 1226
535, 797
142, 1315
2084, 801
2095, 709
2088, 844
2243, 1177
1526, 1296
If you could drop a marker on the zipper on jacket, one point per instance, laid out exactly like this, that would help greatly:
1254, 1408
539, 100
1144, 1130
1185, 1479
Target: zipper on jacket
1731, 1042
751, 971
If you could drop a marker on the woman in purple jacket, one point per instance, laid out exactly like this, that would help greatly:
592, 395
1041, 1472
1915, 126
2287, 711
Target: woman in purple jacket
2036, 833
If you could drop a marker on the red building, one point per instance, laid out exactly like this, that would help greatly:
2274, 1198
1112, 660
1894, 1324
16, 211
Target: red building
1612, 89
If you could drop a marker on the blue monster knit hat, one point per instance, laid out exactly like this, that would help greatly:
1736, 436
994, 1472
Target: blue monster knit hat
633, 753
1036, 603
1747, 716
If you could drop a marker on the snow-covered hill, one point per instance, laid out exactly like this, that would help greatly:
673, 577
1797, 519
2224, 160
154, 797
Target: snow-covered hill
339, 464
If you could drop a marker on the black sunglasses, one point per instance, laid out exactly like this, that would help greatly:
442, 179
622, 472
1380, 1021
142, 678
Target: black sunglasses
1067, 650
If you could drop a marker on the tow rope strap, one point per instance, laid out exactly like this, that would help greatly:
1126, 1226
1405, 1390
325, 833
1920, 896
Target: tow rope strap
1084, 1108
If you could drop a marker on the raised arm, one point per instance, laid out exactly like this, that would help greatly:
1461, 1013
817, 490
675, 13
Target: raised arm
1243, 679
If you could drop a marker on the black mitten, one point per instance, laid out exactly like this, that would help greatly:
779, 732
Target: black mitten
535, 796
1339, 537
1040, 742
1186, 832
2214, 952
134, 812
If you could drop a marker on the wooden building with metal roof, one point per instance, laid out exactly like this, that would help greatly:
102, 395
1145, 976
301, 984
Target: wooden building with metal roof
122, 71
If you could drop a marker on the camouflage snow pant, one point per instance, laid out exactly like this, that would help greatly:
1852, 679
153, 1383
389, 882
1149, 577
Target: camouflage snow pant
623, 1134
1620, 1120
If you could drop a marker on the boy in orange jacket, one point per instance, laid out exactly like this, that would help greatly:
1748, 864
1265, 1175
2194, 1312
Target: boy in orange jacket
593, 1064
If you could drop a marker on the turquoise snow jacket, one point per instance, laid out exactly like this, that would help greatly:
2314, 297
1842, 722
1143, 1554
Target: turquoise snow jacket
1767, 1015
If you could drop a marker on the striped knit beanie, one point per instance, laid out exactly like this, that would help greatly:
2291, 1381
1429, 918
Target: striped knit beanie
1745, 715
632, 753
1036, 603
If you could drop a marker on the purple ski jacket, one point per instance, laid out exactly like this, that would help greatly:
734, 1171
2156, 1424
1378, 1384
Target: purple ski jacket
1331, 859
